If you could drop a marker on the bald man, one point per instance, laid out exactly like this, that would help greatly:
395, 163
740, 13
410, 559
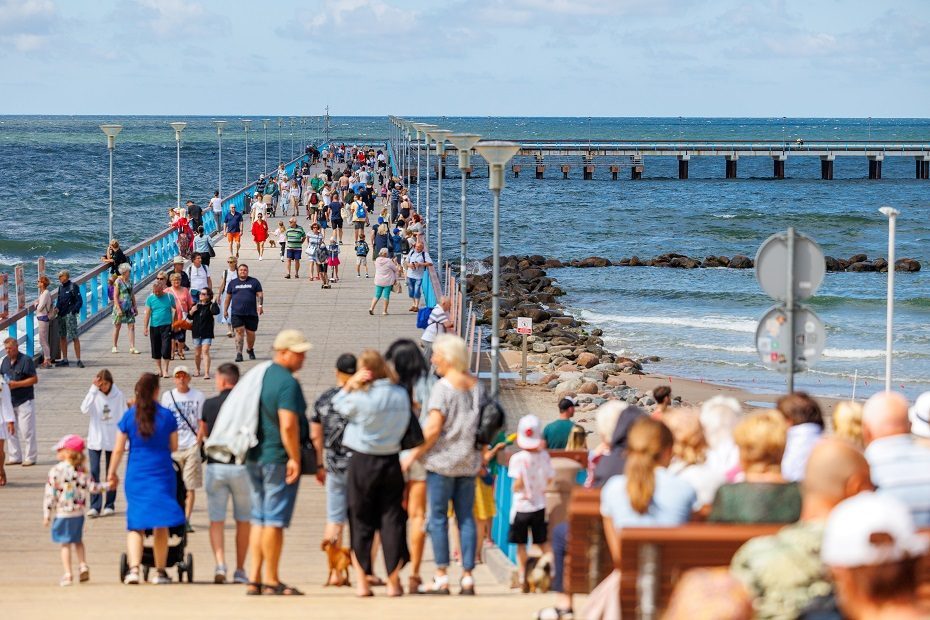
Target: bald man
900, 466
784, 573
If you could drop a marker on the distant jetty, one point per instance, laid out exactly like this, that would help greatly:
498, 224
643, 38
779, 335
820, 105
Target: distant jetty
857, 263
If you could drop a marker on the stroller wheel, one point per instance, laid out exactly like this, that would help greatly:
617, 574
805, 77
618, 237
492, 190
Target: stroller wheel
123, 566
189, 567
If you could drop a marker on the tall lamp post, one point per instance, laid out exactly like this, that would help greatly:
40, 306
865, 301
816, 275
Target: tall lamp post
426, 142
265, 122
111, 131
408, 127
247, 123
292, 137
497, 153
464, 142
219, 137
417, 127
439, 136
280, 122
178, 128
892, 215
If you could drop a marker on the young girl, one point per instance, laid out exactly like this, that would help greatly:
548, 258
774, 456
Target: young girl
202, 321
333, 260
281, 236
66, 494
104, 405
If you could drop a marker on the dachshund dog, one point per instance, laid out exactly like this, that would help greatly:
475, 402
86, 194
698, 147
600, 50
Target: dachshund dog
340, 560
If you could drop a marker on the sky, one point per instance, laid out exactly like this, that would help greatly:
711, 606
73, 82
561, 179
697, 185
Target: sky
796, 58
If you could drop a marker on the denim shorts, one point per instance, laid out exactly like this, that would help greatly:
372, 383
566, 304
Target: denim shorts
202, 341
337, 502
222, 482
413, 287
272, 498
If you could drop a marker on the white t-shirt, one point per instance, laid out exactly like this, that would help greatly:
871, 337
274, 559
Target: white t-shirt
105, 411
198, 277
191, 409
416, 273
216, 204
535, 468
436, 326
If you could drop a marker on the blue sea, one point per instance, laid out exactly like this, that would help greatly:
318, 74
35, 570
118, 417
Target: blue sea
700, 322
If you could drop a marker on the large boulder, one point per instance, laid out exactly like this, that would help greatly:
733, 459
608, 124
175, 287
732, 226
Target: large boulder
566, 388
861, 266
907, 264
881, 264
586, 359
594, 261
588, 387
635, 261
857, 258
684, 263
740, 262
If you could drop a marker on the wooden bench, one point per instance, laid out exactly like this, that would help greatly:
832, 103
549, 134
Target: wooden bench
587, 558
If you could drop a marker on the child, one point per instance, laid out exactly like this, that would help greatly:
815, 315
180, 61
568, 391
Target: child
66, 495
361, 257
280, 235
531, 471
333, 260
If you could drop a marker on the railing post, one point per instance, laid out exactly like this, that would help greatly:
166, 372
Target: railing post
30, 334
4, 296
83, 289
94, 297
20, 279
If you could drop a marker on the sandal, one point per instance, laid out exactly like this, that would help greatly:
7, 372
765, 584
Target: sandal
554, 613
84, 574
253, 589
281, 590
375, 581
413, 584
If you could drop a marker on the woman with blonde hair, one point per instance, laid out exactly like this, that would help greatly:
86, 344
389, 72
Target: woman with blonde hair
763, 496
385, 277
847, 422
44, 311
124, 308
689, 455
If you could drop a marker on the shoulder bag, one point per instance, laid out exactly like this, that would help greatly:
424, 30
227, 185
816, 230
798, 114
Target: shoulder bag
413, 436
203, 452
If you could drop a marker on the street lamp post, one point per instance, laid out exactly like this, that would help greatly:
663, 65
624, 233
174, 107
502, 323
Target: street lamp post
417, 128
497, 154
892, 215
265, 122
247, 123
280, 122
178, 128
464, 143
440, 135
292, 137
219, 137
426, 142
111, 131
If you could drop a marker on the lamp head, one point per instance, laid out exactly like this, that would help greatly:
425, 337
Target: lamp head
439, 136
247, 123
265, 122
178, 128
219, 127
111, 132
889, 212
497, 153
464, 142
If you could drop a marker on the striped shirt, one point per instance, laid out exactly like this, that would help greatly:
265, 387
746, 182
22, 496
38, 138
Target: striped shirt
295, 237
901, 467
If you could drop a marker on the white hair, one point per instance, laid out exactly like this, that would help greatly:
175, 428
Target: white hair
718, 418
452, 349
606, 417
383, 252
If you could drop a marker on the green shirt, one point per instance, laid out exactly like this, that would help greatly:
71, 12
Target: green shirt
162, 307
783, 572
757, 502
556, 434
280, 390
295, 237
316, 183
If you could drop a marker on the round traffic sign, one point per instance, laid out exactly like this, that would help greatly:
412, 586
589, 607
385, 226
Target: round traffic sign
772, 267
773, 337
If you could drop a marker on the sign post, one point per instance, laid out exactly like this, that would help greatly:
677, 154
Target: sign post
41, 266
524, 328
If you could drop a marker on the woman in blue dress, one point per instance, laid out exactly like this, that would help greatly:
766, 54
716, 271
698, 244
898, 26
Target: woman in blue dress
151, 485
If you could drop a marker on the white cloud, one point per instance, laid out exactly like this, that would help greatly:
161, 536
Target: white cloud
358, 18
166, 19
26, 25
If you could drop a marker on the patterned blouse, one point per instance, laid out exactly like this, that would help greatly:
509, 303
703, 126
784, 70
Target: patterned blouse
67, 491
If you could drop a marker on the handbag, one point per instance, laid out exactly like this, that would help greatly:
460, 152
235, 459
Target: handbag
413, 436
307, 458
212, 251
181, 325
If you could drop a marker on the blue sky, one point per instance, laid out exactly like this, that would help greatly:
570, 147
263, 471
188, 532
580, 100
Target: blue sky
477, 57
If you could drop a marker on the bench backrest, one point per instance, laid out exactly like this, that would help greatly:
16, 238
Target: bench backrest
587, 558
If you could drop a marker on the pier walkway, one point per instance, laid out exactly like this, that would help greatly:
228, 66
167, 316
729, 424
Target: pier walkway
335, 321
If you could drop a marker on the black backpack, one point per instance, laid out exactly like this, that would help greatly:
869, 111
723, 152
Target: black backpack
491, 419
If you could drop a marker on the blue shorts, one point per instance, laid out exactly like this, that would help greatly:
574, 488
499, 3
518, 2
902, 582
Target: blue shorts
413, 287
67, 530
337, 499
222, 482
273, 499
200, 341
293, 254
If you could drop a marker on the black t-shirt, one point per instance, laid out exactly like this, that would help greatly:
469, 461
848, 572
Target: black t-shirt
211, 409
195, 212
23, 368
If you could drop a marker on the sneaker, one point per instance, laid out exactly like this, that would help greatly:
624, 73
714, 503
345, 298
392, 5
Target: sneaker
259, 258
107, 512
114, 350
251, 353
134, 350
93, 513
65, 580
62, 363
366, 276
188, 527
131, 578
282, 259
238, 357
28, 463
80, 364
240, 577
160, 579
468, 586
219, 575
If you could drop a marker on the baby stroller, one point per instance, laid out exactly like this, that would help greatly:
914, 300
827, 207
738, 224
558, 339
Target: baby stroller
177, 544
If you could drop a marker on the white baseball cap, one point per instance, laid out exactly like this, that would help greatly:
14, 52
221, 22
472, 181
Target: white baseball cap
870, 529
528, 435
919, 415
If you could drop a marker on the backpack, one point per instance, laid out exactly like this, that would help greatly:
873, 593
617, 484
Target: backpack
361, 248
314, 199
423, 317
491, 417
322, 253
360, 212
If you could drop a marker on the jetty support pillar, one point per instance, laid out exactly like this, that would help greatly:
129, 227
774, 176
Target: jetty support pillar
683, 161
875, 166
565, 169
923, 167
540, 171
779, 162
588, 172
731, 166
826, 167
614, 171
516, 170
468, 172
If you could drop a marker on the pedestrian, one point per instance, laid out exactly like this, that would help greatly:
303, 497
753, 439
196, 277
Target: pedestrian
104, 404
260, 234
280, 236
556, 433
183, 302
68, 305
45, 312
417, 261
327, 427
159, 314
199, 276
361, 257
439, 322
216, 206
151, 485
274, 464
332, 261
531, 470
225, 482
19, 374
378, 413
195, 213
335, 218
451, 458
295, 236
385, 277
243, 306
229, 274
7, 425
359, 217
201, 316
177, 266
186, 403
114, 256
314, 241
203, 246
124, 309
232, 228
66, 492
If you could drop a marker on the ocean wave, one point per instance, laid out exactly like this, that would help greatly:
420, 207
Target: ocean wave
705, 322
848, 354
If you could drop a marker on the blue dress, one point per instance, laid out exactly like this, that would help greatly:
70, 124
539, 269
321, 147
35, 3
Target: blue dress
151, 485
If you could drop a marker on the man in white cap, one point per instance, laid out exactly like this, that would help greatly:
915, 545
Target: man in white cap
274, 463
872, 548
531, 470
186, 403
900, 466
919, 416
